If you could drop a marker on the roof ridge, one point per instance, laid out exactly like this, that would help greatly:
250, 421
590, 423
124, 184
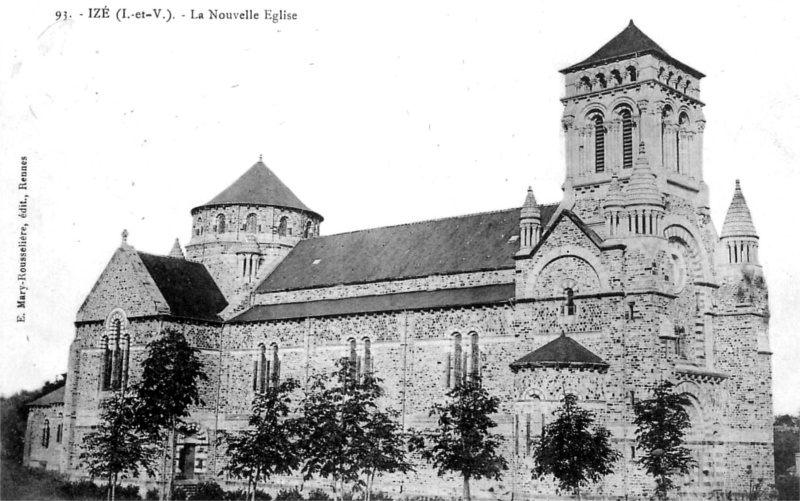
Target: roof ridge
497, 211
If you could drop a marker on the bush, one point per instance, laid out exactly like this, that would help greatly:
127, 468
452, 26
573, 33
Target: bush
207, 491
127, 493
289, 495
179, 494
381, 496
319, 495
241, 495
152, 494
83, 489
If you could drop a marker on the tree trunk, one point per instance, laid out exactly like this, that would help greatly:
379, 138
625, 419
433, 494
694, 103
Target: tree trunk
173, 445
466, 489
114, 488
162, 494
370, 484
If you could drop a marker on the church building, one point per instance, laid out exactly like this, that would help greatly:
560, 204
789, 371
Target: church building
622, 284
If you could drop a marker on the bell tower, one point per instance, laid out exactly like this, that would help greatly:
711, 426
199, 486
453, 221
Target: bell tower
627, 93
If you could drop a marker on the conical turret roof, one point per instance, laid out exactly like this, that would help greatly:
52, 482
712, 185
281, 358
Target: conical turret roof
259, 186
738, 222
642, 188
530, 209
630, 42
176, 250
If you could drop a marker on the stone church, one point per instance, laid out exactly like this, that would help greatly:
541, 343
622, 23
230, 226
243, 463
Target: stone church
622, 284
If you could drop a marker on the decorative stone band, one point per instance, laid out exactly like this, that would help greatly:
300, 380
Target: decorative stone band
699, 375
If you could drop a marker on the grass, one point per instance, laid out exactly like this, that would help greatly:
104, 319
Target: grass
18, 482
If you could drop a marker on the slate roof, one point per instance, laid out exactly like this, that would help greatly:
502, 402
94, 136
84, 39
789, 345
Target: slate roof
187, 287
259, 186
461, 244
469, 296
54, 397
563, 351
738, 221
630, 42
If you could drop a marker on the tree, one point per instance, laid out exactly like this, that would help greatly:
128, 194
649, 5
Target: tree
270, 445
346, 435
661, 424
117, 448
571, 452
385, 447
168, 387
786, 435
462, 443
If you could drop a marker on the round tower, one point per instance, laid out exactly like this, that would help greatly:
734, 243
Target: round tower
245, 231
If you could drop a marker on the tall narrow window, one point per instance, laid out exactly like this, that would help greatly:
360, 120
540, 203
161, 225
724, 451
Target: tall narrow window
457, 362
569, 305
631, 72
474, 355
627, 138
60, 429
352, 358
46, 434
251, 223
116, 376
198, 229
599, 143
106, 382
276, 365
308, 232
367, 356
283, 226
220, 223
262, 383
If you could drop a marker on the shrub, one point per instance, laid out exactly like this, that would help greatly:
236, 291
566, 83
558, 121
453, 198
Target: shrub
82, 489
319, 495
289, 495
179, 494
152, 494
207, 491
241, 495
127, 493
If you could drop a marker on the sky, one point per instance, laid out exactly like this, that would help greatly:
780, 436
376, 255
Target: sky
373, 113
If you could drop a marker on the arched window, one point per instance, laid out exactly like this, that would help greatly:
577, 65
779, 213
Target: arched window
46, 434
599, 142
220, 223
263, 369
601, 81
283, 226
569, 305
107, 361
661, 73
60, 428
687, 86
627, 137
475, 355
198, 228
457, 360
276, 365
680, 160
251, 223
681, 342
678, 81
666, 115
367, 356
585, 84
116, 366
308, 230
616, 77
630, 71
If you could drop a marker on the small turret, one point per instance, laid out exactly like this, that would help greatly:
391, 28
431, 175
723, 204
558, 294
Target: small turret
739, 237
530, 222
176, 250
612, 205
641, 201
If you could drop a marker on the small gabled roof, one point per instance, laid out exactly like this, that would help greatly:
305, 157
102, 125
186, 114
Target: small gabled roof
187, 287
560, 352
630, 42
259, 186
54, 397
463, 244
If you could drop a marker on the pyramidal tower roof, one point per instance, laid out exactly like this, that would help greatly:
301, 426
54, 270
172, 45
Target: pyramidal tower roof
176, 250
630, 42
259, 186
738, 222
563, 351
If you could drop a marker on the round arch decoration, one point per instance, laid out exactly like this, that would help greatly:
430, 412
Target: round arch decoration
570, 251
676, 229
